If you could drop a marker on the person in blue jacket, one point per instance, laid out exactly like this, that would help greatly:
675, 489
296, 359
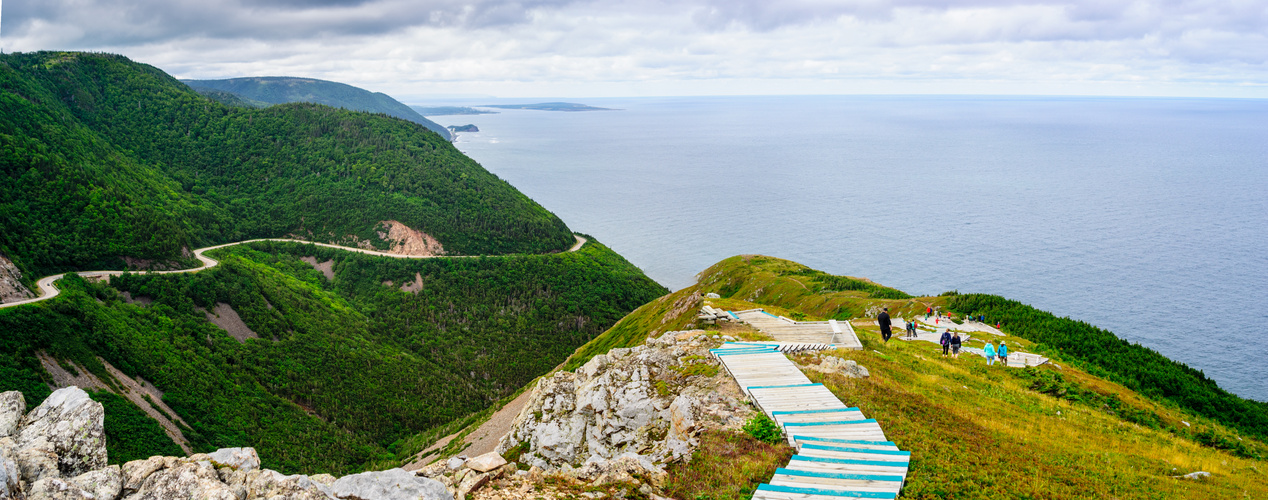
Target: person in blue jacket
955, 346
989, 352
946, 342
1003, 353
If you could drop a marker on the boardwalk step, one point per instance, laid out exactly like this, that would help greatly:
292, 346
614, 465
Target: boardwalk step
773, 492
829, 464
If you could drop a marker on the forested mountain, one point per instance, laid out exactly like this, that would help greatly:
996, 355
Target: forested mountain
319, 358
103, 158
286, 89
334, 371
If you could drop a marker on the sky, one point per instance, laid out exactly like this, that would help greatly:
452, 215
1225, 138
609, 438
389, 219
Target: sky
416, 50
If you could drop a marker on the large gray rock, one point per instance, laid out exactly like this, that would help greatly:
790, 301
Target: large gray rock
102, 483
186, 480
395, 484
55, 488
36, 464
486, 462
264, 483
70, 425
243, 459
12, 407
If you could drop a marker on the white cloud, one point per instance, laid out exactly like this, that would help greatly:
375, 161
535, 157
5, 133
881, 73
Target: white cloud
564, 47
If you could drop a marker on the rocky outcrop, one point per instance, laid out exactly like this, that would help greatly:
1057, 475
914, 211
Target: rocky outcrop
57, 451
395, 484
627, 412
70, 426
11, 288
825, 363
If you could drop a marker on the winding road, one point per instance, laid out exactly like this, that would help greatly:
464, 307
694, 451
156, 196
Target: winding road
48, 291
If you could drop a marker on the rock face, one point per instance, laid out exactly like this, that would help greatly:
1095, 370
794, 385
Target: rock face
624, 410
69, 425
11, 288
395, 484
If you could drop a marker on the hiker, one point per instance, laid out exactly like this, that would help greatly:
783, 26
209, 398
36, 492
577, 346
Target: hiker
883, 321
1003, 353
928, 311
955, 346
946, 342
989, 352
911, 329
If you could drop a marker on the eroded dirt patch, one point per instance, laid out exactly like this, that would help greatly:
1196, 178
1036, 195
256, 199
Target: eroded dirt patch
408, 241
225, 317
140, 392
326, 268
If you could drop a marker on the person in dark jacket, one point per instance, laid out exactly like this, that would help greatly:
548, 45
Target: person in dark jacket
946, 342
955, 346
883, 321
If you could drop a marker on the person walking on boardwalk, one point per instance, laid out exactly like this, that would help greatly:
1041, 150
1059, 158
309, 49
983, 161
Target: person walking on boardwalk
1003, 353
883, 321
911, 329
989, 352
945, 341
955, 346
928, 312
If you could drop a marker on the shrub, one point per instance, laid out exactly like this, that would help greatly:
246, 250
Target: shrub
764, 429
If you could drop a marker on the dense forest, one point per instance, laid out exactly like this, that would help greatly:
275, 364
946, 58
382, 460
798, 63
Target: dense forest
265, 90
343, 368
102, 158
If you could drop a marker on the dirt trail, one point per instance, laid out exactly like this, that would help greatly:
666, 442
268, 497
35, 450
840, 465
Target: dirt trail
48, 291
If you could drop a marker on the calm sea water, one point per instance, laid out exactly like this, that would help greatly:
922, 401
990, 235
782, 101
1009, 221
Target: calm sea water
1148, 217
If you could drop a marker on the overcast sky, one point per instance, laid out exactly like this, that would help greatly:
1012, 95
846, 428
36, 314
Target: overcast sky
413, 49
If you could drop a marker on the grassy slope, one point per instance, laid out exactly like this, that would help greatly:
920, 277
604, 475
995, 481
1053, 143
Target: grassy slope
979, 432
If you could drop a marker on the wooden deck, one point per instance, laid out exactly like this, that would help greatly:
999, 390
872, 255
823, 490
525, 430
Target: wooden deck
785, 330
840, 452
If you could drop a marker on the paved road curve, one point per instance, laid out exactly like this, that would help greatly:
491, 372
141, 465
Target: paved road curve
47, 291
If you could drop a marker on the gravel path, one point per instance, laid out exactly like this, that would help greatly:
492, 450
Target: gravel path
47, 290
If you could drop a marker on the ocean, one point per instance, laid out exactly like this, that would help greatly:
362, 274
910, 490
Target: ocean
1144, 216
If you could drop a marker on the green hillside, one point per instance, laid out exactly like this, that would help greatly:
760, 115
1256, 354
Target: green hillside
1104, 419
286, 89
110, 164
342, 368
102, 159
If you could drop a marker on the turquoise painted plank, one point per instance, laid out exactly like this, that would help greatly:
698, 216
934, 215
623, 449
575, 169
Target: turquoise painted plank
847, 461
836, 422
845, 441
835, 475
856, 450
782, 386
734, 352
799, 412
827, 492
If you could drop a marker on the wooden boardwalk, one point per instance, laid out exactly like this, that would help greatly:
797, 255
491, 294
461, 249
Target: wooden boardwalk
838, 333
840, 452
